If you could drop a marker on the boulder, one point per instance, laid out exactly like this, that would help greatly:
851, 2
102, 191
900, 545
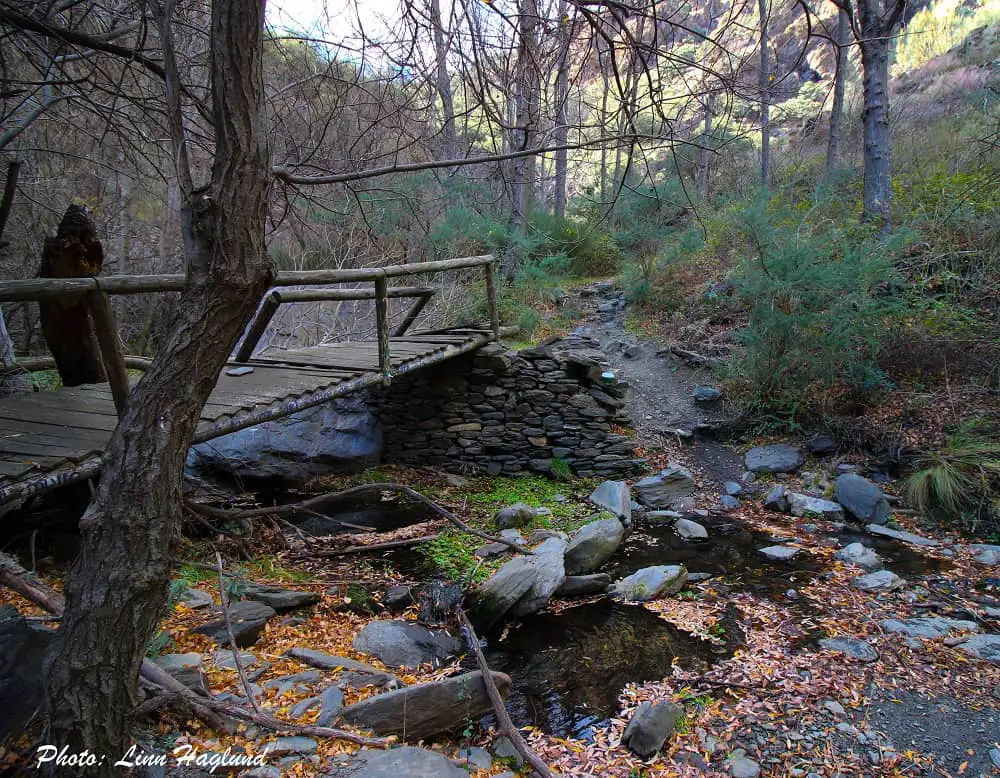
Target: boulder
661, 517
426, 709
879, 581
665, 490
614, 497
778, 458
777, 499
928, 627
334, 437
247, 618
705, 394
513, 516
584, 585
986, 553
732, 488
983, 646
404, 644
860, 555
803, 504
780, 553
185, 668
402, 762
195, 598
500, 591
278, 598
650, 726
23, 649
729, 503
593, 545
906, 537
690, 530
549, 574
853, 647
862, 499
650, 583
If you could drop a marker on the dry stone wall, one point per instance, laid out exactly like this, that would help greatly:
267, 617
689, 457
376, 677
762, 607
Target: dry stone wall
502, 411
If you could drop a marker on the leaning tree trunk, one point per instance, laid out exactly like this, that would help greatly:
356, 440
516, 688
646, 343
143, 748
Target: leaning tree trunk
117, 587
878, 158
839, 87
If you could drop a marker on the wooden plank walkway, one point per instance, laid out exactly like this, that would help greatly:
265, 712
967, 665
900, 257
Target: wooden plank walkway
49, 439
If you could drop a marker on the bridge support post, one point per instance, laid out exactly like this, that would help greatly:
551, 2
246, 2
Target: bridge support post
382, 328
491, 296
111, 348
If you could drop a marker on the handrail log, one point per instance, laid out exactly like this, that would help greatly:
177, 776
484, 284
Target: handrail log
382, 329
46, 289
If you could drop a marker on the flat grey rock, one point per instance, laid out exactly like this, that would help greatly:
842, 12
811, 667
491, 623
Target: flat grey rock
650, 726
500, 591
853, 647
705, 394
615, 497
859, 555
776, 499
661, 517
295, 744
879, 581
426, 709
402, 762
513, 516
986, 554
247, 619
404, 644
584, 585
195, 598
650, 583
549, 575
780, 553
278, 598
804, 505
593, 545
185, 668
906, 537
665, 490
331, 701
690, 530
928, 627
983, 646
862, 499
777, 458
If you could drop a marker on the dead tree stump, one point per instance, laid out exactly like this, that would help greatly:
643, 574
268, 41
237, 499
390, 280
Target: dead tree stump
74, 252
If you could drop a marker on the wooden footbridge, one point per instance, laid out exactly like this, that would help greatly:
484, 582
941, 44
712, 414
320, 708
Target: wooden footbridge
49, 439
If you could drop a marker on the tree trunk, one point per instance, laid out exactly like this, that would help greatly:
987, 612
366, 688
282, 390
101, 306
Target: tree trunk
878, 155
839, 86
526, 127
15, 383
75, 251
117, 587
765, 98
561, 133
443, 81
706, 151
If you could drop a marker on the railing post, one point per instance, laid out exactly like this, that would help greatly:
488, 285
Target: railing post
382, 328
111, 351
257, 327
491, 296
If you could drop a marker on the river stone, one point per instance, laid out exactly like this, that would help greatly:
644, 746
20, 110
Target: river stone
331, 701
402, 762
513, 516
860, 555
426, 709
323, 661
897, 534
987, 554
247, 618
185, 668
293, 744
23, 649
705, 394
593, 545
780, 553
650, 583
777, 499
223, 658
614, 497
278, 598
802, 504
983, 646
741, 766
853, 647
475, 758
498, 594
583, 585
929, 627
650, 726
879, 581
550, 572
667, 489
690, 530
340, 435
862, 499
732, 488
404, 644
195, 598
661, 517
778, 458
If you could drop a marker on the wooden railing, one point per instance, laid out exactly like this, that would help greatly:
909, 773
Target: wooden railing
97, 288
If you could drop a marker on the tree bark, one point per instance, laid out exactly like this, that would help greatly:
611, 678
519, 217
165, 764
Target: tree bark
878, 154
561, 133
443, 81
706, 152
839, 86
74, 252
765, 98
526, 126
117, 587
10, 383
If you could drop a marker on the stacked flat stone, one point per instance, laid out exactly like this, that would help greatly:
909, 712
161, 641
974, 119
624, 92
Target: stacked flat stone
504, 412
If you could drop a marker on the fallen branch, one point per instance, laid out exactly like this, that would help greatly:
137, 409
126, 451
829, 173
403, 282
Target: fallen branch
370, 547
322, 500
503, 717
244, 682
